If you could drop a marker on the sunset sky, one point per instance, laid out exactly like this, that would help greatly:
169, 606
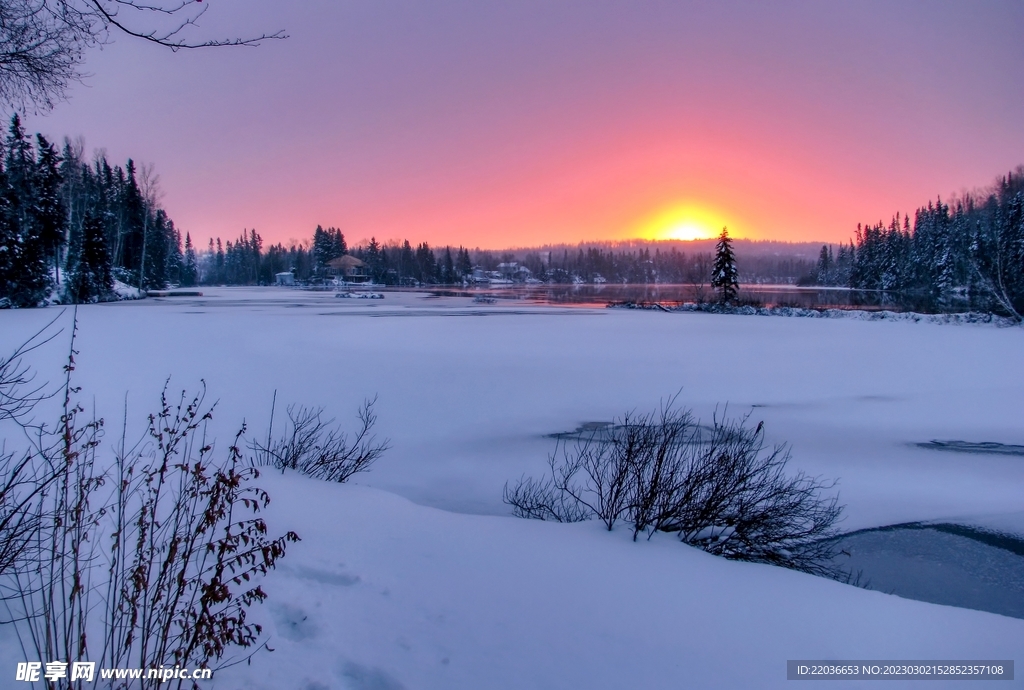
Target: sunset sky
519, 123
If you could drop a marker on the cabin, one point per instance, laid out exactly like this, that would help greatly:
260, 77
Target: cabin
348, 269
285, 278
513, 271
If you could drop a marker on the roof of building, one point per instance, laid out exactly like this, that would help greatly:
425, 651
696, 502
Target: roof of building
345, 261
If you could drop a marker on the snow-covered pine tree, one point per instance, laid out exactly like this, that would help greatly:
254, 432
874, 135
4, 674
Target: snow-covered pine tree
823, 273
90, 280
26, 279
190, 271
174, 261
724, 276
321, 248
50, 214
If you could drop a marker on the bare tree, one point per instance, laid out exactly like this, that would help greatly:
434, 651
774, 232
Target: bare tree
43, 42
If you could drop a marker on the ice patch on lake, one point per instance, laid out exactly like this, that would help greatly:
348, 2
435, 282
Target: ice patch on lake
989, 447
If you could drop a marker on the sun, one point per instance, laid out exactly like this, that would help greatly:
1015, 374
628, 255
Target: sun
681, 222
688, 230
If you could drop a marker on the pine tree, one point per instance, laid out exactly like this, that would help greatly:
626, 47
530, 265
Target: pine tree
374, 261
219, 278
323, 247
174, 261
724, 276
406, 262
7, 242
465, 265
190, 271
27, 279
90, 280
338, 246
132, 215
448, 267
50, 213
823, 274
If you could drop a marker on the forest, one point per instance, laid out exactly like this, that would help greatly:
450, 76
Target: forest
78, 231
966, 252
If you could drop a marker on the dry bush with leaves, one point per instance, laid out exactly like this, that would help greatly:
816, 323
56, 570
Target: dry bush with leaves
151, 560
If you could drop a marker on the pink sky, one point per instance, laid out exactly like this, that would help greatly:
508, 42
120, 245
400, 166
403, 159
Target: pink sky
499, 124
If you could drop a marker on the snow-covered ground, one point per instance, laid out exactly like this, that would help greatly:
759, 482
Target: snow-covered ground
385, 593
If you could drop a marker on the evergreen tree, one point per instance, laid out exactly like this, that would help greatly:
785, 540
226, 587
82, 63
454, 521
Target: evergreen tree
26, 281
220, 262
425, 269
824, 271
174, 261
131, 215
190, 270
374, 259
465, 266
8, 242
406, 262
724, 276
90, 279
448, 267
328, 244
338, 246
50, 213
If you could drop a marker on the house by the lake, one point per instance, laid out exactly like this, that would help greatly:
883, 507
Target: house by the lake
347, 268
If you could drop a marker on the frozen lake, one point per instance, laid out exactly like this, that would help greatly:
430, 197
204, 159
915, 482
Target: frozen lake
469, 393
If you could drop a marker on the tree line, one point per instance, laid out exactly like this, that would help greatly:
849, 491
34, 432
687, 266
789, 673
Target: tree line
71, 229
968, 251
245, 261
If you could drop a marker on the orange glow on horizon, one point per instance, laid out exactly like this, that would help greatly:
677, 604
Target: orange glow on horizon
681, 222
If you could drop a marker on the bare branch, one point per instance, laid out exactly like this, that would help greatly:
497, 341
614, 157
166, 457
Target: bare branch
43, 42
314, 446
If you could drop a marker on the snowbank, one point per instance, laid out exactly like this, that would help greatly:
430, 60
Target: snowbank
800, 312
382, 593
124, 291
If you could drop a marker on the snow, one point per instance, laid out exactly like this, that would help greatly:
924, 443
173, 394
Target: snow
124, 291
382, 593
421, 564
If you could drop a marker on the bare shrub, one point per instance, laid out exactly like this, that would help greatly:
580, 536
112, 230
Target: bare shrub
23, 479
316, 447
718, 487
